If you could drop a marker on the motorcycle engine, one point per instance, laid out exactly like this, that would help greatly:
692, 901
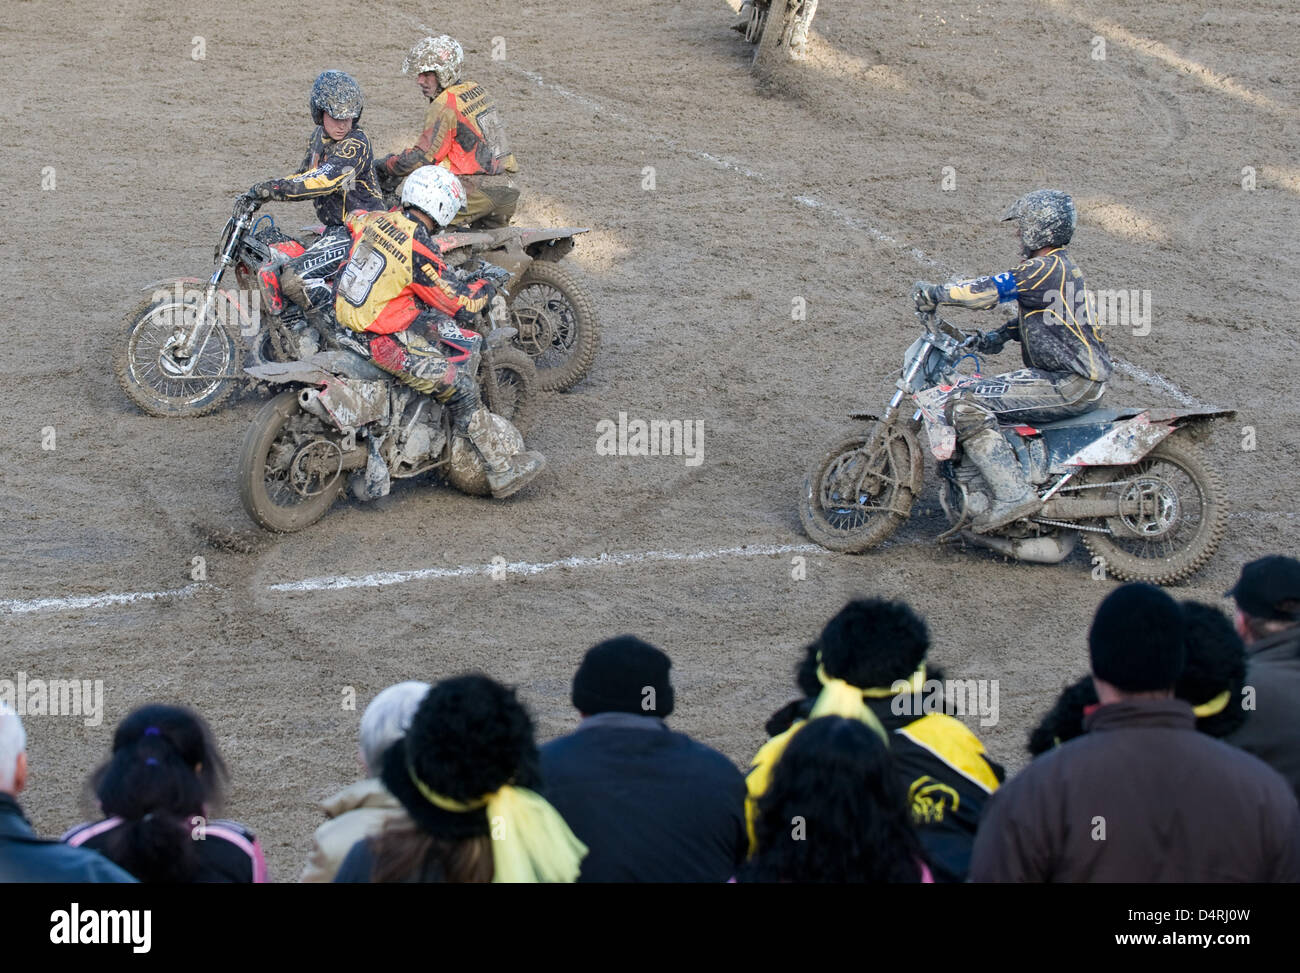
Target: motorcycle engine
967, 497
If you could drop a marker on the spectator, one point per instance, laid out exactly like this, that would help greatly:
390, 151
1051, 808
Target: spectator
158, 788
466, 773
650, 804
1141, 796
363, 808
835, 812
1268, 618
23, 856
872, 667
1212, 678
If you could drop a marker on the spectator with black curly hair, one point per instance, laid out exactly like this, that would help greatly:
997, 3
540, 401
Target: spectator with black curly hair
835, 812
870, 664
1212, 679
467, 774
158, 789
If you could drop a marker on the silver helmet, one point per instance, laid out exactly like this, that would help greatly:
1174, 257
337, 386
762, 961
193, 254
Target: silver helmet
338, 94
442, 55
1046, 218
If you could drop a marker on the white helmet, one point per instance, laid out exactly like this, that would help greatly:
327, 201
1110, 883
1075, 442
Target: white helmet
434, 190
441, 55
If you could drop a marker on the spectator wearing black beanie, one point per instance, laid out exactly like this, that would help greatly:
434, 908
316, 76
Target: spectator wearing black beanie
1140, 796
650, 804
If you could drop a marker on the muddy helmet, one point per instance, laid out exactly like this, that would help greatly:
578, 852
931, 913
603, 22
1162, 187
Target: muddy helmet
434, 190
1046, 218
441, 55
338, 94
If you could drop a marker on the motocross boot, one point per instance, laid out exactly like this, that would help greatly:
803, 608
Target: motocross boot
1013, 495
506, 474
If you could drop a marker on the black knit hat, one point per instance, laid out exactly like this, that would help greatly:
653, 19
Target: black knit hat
1216, 661
1136, 641
469, 736
1269, 588
615, 675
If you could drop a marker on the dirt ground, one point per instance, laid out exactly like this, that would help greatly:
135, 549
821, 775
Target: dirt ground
828, 190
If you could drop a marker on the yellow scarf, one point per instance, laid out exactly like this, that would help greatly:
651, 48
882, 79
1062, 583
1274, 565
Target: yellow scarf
1212, 707
530, 841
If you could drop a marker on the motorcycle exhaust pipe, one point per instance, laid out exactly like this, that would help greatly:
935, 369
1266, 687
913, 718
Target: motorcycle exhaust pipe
309, 400
1035, 550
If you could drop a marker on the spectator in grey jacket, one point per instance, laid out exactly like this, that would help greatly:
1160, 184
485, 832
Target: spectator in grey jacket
1140, 796
650, 804
1268, 618
23, 856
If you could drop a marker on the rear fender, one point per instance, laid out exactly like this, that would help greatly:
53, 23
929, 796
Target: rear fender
1121, 444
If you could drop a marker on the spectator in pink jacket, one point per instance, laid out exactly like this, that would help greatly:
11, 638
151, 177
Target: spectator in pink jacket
157, 792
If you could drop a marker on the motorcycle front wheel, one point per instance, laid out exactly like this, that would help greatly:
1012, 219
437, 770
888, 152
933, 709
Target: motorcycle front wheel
290, 466
159, 383
859, 491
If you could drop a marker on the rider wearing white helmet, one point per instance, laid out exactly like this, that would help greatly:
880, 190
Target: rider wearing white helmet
337, 174
463, 132
400, 297
1066, 362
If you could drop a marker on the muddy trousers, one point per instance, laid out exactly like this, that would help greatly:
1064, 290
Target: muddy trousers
491, 200
417, 362
1022, 397
303, 278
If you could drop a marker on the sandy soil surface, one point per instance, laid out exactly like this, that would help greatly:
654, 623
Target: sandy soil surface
827, 189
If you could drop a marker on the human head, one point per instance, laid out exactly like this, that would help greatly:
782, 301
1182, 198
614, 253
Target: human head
1267, 596
623, 675
873, 643
13, 752
1064, 721
1136, 643
337, 94
836, 777
1044, 218
469, 736
435, 194
440, 57
164, 759
164, 777
1215, 671
386, 719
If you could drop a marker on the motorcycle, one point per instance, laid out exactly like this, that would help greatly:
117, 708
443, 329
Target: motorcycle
185, 345
554, 319
1129, 482
343, 422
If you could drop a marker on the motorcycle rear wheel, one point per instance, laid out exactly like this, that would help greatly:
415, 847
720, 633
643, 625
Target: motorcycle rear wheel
856, 495
1181, 531
514, 396
287, 474
152, 379
557, 325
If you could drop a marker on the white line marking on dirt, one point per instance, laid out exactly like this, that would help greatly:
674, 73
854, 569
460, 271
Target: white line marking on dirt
15, 606
381, 579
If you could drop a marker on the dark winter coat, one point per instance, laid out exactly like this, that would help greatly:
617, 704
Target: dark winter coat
1141, 797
